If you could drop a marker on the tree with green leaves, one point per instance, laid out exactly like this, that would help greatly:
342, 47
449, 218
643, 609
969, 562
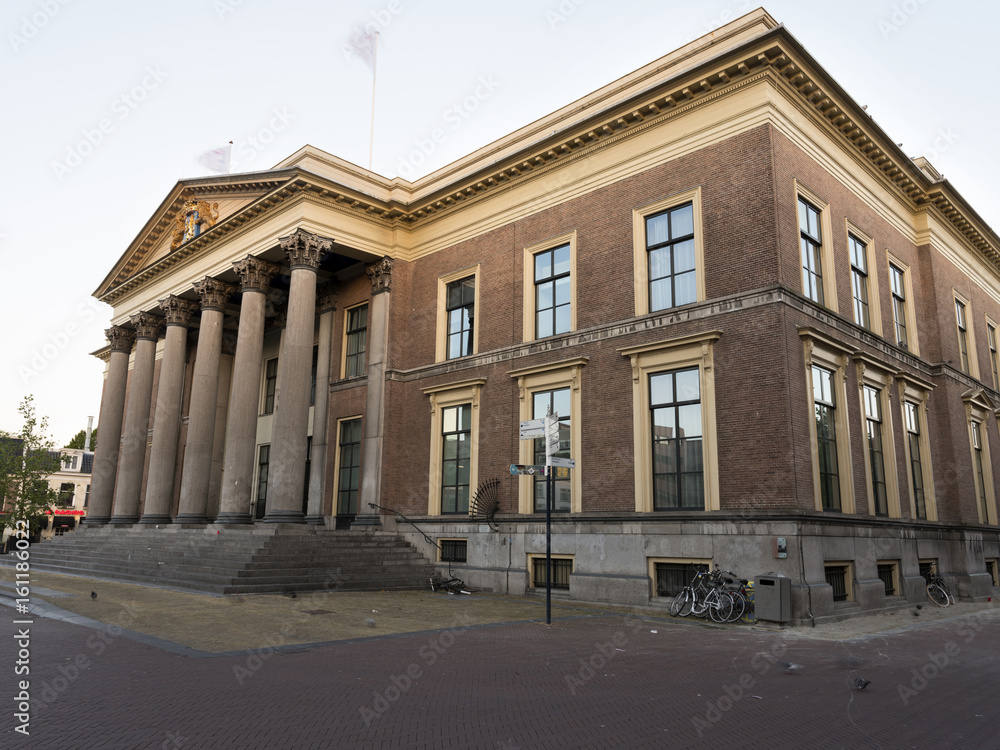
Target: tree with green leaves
80, 439
26, 460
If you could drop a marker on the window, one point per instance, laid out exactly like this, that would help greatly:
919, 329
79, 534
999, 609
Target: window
927, 567
859, 280
898, 305
888, 573
456, 459
270, 385
554, 402
668, 255
671, 253
979, 473
562, 569
556, 384
811, 244
671, 576
550, 287
963, 336
454, 445
348, 470
86, 499
673, 394
876, 460
453, 550
841, 579
356, 339
312, 381
993, 568
263, 459
978, 409
66, 492
826, 375
678, 465
458, 300
910, 411
991, 339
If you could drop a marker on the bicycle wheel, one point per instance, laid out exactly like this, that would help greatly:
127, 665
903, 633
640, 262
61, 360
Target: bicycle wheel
938, 595
720, 607
739, 606
680, 602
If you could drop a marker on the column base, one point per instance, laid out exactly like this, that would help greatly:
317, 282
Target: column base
123, 520
231, 518
96, 520
191, 518
285, 516
315, 520
366, 522
158, 520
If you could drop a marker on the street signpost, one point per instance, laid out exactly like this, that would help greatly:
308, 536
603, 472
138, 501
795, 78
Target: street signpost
527, 469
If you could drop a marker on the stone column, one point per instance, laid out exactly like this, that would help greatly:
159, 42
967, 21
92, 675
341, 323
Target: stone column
102, 484
287, 475
221, 419
326, 304
132, 460
374, 421
204, 392
167, 416
241, 437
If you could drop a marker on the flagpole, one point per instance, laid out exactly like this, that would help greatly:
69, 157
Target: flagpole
371, 137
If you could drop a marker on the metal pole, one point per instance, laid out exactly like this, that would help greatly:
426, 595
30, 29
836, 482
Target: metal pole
548, 545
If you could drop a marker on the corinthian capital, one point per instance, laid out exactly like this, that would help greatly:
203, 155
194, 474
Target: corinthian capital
178, 311
214, 293
326, 296
147, 326
255, 274
305, 250
381, 274
121, 339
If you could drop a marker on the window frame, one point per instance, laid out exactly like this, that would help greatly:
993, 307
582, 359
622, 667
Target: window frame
690, 562
824, 352
338, 463
873, 375
564, 373
534, 557
440, 550
871, 278
896, 582
261, 467
827, 260
848, 578
917, 392
441, 336
912, 343
640, 253
528, 301
966, 335
269, 379
977, 409
442, 397
662, 356
348, 332
991, 344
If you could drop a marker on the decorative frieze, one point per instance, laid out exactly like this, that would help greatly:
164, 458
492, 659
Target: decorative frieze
178, 311
380, 274
255, 273
147, 326
326, 296
214, 293
305, 250
121, 339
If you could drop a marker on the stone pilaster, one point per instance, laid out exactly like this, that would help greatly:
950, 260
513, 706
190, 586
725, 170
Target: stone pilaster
326, 305
204, 391
380, 274
178, 313
241, 437
286, 481
102, 484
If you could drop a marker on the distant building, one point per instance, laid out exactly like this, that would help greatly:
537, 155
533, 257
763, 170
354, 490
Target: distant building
72, 483
770, 336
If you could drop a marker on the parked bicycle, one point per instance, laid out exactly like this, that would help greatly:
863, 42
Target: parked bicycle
451, 585
937, 589
704, 597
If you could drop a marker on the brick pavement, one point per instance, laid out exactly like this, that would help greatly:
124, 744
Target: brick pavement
602, 681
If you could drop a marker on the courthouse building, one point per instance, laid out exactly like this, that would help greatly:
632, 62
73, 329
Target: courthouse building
769, 334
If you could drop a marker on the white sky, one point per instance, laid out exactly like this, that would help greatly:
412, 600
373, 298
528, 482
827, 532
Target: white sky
210, 71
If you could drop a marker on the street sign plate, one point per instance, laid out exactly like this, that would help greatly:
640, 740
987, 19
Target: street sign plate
532, 434
533, 424
526, 469
565, 463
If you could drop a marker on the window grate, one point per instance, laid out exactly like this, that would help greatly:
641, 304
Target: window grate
926, 568
671, 578
561, 570
836, 576
887, 572
454, 550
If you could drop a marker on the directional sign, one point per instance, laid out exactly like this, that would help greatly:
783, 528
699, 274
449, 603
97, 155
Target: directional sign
527, 469
532, 428
564, 463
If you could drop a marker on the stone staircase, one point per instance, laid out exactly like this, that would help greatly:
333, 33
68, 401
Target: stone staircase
257, 559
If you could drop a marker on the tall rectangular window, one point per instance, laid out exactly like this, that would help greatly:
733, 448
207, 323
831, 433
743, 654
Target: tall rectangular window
357, 339
348, 467
86, 498
991, 338
963, 335
263, 462
67, 490
671, 251
876, 459
460, 309
898, 305
980, 475
315, 366
553, 294
559, 402
811, 243
456, 459
270, 384
678, 464
825, 407
859, 280
916, 465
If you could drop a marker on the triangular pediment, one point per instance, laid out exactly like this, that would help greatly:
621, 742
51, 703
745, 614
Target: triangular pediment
192, 209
